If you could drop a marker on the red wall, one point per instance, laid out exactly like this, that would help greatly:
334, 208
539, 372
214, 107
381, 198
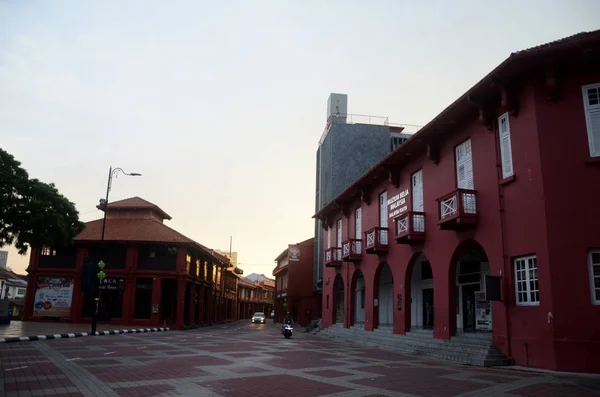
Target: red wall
572, 197
549, 150
300, 273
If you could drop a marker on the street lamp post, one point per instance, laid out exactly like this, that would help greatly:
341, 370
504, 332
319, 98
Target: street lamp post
104, 203
112, 173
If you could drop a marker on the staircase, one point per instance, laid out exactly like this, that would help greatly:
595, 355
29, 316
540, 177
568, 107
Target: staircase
470, 349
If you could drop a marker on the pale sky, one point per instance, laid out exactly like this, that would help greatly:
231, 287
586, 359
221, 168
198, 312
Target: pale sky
220, 105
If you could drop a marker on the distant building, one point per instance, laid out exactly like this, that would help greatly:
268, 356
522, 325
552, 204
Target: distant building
255, 296
13, 287
3, 259
293, 284
349, 146
233, 257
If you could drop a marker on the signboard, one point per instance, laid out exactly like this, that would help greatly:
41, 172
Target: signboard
111, 284
483, 312
53, 296
397, 204
293, 253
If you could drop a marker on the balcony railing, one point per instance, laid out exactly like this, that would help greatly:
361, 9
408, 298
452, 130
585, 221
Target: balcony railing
376, 240
457, 210
410, 227
352, 250
333, 257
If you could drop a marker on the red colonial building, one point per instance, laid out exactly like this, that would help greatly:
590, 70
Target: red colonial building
255, 296
467, 228
154, 275
293, 284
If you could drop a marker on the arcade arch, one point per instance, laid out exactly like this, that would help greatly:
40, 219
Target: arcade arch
473, 310
421, 294
385, 296
358, 296
338, 293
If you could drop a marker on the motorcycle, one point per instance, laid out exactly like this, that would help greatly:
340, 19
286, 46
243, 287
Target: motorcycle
287, 330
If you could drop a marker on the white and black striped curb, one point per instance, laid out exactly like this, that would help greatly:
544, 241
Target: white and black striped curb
80, 334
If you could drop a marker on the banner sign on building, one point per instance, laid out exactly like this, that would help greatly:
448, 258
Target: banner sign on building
397, 204
293, 253
53, 296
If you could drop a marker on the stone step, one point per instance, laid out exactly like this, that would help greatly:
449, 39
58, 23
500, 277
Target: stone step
472, 352
417, 340
454, 356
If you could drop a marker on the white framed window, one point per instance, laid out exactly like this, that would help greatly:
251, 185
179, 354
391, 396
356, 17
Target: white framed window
526, 281
464, 166
383, 210
594, 263
591, 102
417, 191
505, 146
358, 223
339, 233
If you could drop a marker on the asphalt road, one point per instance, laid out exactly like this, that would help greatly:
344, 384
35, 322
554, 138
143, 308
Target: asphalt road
243, 359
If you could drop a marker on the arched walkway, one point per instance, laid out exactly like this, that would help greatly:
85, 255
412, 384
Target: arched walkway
338, 293
385, 296
469, 266
357, 299
421, 294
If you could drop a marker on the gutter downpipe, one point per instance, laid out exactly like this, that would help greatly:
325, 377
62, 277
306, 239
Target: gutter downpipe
496, 130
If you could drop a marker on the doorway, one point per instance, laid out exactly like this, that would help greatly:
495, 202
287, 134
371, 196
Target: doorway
428, 308
468, 306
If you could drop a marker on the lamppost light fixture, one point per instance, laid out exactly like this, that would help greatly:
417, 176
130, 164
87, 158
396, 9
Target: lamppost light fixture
112, 172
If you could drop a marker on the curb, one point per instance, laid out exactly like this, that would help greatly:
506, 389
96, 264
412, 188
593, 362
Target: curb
80, 334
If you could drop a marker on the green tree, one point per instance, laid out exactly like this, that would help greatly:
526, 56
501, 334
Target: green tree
33, 213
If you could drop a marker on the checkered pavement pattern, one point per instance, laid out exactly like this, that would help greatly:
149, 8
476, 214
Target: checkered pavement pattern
242, 359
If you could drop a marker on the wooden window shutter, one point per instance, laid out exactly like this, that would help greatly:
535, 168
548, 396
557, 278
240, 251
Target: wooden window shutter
505, 146
591, 94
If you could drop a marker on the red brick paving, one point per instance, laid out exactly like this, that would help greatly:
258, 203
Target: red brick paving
144, 391
331, 373
554, 390
275, 385
247, 370
418, 382
303, 359
249, 362
46, 384
494, 378
162, 368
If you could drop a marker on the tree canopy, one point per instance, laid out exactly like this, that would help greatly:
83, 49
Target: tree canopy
33, 213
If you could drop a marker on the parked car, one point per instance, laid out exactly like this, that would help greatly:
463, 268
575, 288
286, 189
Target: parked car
258, 317
272, 313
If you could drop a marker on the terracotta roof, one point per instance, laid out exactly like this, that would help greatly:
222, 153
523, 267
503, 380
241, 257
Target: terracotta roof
148, 230
133, 203
139, 230
431, 132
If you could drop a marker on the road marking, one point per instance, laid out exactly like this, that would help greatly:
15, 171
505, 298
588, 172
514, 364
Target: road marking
73, 359
13, 369
198, 337
106, 354
143, 347
182, 340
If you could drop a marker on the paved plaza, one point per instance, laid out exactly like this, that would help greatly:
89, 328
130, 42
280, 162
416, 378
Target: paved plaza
241, 359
